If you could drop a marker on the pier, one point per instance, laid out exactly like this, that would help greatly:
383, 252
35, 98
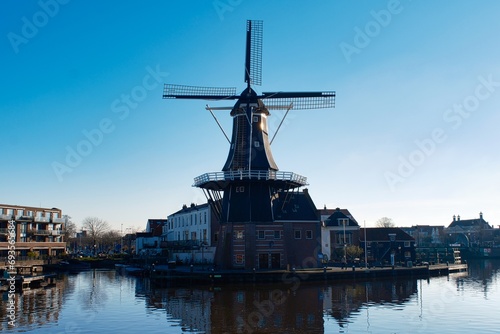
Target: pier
164, 275
27, 277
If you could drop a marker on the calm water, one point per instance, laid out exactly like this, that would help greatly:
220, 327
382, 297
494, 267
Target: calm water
107, 302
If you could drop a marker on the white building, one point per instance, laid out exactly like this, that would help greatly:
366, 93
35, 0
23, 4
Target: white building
193, 223
338, 230
191, 233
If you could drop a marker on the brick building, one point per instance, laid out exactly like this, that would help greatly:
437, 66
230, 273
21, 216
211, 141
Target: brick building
37, 230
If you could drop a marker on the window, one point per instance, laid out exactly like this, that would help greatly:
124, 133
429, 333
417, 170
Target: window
340, 238
256, 143
240, 189
239, 259
277, 234
239, 234
309, 234
343, 221
216, 237
255, 119
261, 234
298, 234
407, 244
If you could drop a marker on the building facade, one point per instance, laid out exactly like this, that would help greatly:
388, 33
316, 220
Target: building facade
149, 242
191, 234
339, 229
474, 232
192, 225
38, 231
388, 245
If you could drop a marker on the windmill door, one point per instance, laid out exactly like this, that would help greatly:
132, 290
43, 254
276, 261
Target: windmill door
263, 261
275, 260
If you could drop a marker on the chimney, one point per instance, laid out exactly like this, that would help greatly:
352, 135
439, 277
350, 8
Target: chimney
454, 218
458, 217
481, 215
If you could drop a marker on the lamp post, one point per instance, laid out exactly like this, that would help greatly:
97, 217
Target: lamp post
345, 243
366, 255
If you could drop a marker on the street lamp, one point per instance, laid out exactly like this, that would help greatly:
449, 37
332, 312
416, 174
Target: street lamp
345, 243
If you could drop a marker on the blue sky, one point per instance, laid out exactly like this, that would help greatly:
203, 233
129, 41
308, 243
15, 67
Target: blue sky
413, 136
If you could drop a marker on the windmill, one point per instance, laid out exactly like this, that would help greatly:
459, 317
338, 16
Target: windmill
250, 181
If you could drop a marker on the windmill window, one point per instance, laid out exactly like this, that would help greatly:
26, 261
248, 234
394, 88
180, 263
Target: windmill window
255, 119
309, 234
239, 259
240, 189
261, 234
256, 144
298, 234
277, 234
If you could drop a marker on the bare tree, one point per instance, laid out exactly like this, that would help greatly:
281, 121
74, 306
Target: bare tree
96, 228
69, 228
110, 239
385, 222
69, 232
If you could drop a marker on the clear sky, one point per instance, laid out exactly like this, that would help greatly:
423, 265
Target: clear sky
414, 135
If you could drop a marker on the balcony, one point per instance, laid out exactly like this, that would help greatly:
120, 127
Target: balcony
219, 180
46, 232
58, 220
4, 231
6, 217
42, 219
24, 218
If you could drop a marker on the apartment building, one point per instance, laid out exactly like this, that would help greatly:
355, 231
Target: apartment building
37, 230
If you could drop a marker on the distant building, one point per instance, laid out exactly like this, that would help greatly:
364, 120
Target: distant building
427, 235
149, 241
37, 230
389, 245
338, 230
470, 232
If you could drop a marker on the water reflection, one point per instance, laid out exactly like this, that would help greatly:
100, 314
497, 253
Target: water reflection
344, 301
274, 307
37, 307
105, 301
245, 308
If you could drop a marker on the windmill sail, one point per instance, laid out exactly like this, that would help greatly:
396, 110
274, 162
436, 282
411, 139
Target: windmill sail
253, 53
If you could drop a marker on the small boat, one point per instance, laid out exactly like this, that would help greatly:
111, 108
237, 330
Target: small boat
68, 266
135, 271
121, 266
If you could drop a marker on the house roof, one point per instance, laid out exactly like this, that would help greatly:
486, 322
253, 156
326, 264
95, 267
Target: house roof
470, 223
383, 234
329, 212
334, 219
155, 226
190, 208
296, 206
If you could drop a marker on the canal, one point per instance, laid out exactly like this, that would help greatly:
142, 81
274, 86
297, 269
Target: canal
105, 301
